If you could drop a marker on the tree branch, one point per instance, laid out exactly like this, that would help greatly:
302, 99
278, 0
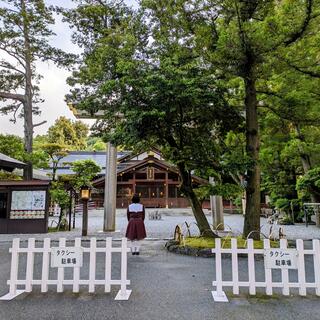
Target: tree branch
7, 65
15, 55
300, 69
291, 118
13, 96
15, 112
269, 93
299, 33
39, 124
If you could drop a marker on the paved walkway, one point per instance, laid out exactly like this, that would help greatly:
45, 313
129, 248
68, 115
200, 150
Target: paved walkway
165, 286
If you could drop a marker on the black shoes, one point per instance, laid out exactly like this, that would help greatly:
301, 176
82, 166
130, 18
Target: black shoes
135, 253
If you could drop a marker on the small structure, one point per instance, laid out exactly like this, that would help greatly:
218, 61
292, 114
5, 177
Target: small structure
9, 164
24, 206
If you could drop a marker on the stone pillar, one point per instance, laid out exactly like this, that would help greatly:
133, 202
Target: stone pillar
85, 217
110, 189
216, 206
317, 213
166, 191
244, 203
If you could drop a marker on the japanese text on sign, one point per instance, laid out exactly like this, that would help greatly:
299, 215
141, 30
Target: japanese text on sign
281, 258
66, 257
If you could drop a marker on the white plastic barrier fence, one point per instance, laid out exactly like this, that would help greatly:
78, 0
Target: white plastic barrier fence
282, 258
67, 256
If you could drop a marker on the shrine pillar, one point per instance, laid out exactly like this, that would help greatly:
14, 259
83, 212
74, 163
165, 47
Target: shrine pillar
110, 191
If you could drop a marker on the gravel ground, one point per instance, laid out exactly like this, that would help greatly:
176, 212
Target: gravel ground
164, 228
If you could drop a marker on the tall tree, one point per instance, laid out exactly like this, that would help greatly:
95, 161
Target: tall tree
68, 133
165, 94
245, 39
24, 39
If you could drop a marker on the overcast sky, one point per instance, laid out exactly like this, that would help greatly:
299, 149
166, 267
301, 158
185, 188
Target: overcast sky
53, 86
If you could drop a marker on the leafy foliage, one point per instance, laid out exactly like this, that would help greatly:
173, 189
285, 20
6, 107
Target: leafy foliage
311, 180
68, 133
95, 144
178, 75
85, 171
24, 39
59, 195
5, 175
12, 146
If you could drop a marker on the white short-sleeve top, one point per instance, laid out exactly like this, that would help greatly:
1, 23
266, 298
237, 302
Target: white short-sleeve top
135, 207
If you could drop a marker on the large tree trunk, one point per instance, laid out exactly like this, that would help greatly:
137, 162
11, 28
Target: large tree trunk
27, 106
186, 188
252, 216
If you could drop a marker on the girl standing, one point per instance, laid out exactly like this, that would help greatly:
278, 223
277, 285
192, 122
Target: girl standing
135, 230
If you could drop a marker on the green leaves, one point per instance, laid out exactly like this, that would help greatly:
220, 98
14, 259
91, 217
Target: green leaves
310, 180
70, 134
59, 195
85, 171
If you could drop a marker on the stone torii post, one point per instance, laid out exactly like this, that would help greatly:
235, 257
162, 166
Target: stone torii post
216, 206
110, 189
110, 195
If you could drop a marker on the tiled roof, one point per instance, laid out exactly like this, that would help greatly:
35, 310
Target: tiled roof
98, 156
10, 162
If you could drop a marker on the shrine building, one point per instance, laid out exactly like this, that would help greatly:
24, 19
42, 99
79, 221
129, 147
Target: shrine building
155, 180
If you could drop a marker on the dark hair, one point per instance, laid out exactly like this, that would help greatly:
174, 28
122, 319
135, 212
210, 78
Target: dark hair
135, 198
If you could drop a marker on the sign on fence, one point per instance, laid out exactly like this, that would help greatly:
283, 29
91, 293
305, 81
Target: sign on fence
66, 257
281, 259
295, 257
57, 254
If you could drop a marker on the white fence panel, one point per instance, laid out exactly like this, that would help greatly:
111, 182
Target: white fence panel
60, 282
269, 284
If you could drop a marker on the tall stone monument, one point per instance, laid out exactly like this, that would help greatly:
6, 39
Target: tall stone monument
216, 206
110, 193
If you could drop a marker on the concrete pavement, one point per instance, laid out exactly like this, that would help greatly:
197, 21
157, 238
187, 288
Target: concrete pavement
164, 286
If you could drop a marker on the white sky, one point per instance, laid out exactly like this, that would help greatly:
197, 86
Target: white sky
53, 86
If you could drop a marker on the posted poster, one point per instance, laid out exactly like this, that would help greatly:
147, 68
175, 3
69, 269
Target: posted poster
28, 200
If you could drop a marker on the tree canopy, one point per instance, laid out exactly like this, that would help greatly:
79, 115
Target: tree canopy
179, 75
24, 39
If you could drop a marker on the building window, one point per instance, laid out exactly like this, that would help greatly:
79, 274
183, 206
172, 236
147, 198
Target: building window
172, 191
124, 192
142, 191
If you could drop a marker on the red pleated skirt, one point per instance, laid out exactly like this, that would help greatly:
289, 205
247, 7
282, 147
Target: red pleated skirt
136, 229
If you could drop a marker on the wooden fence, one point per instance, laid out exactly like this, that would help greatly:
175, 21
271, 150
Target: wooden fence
269, 284
60, 282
